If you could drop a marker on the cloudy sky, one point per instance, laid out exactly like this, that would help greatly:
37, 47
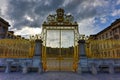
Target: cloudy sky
27, 16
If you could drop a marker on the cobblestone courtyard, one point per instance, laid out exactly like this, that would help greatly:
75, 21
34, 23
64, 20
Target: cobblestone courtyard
58, 76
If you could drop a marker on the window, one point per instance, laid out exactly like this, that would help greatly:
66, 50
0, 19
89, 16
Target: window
115, 30
119, 29
103, 36
110, 33
99, 37
106, 35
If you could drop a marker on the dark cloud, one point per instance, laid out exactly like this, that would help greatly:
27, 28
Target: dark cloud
38, 10
35, 9
43, 9
72, 6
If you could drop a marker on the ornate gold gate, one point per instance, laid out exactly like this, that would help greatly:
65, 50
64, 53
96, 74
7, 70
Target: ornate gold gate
60, 50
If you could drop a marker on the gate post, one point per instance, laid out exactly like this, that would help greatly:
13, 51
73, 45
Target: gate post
37, 59
83, 63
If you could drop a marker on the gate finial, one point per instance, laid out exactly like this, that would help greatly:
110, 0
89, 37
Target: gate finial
60, 14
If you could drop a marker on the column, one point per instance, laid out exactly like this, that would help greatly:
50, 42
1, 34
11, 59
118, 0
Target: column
82, 65
8, 67
82, 51
38, 54
18, 68
38, 47
40, 69
24, 70
94, 70
79, 71
111, 69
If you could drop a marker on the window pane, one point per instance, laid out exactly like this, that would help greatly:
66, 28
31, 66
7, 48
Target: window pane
53, 38
67, 38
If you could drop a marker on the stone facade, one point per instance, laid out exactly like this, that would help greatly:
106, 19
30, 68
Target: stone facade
111, 32
3, 28
4, 33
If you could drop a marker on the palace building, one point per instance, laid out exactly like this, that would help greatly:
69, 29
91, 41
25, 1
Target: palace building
3, 28
111, 32
4, 33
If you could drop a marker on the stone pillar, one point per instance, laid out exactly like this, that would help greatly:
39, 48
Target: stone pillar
37, 56
111, 69
38, 47
79, 71
24, 70
8, 67
18, 68
40, 69
94, 70
82, 65
82, 52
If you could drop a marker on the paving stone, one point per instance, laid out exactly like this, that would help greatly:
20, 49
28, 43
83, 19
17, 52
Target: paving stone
58, 76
